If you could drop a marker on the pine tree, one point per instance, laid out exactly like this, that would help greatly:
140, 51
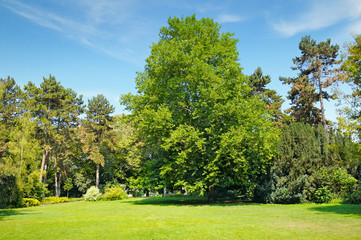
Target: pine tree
96, 131
316, 67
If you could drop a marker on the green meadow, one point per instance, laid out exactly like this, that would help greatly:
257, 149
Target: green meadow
179, 218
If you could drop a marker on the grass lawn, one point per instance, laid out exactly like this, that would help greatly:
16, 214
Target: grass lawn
172, 218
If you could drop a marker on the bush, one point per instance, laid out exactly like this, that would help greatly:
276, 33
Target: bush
92, 194
39, 190
323, 195
355, 197
30, 202
286, 196
10, 195
54, 200
114, 193
337, 179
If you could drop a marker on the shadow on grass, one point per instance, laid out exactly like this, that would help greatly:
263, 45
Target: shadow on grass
345, 209
9, 212
184, 201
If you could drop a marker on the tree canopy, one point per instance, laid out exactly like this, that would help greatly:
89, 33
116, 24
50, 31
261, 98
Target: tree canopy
194, 113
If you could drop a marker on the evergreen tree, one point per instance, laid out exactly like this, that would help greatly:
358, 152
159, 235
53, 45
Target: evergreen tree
308, 161
258, 82
316, 71
96, 131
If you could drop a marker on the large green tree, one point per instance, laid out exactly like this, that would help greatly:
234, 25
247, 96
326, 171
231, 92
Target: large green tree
350, 113
316, 67
196, 120
351, 119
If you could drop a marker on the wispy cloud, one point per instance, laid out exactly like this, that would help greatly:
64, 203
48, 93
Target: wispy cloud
321, 14
111, 27
229, 18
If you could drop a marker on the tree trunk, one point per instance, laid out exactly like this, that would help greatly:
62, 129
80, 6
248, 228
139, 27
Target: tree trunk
46, 169
56, 177
97, 177
43, 164
323, 110
211, 195
59, 182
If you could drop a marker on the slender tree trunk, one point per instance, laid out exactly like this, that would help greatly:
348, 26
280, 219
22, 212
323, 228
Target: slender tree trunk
56, 176
97, 177
59, 182
323, 110
47, 167
211, 194
43, 165
21, 155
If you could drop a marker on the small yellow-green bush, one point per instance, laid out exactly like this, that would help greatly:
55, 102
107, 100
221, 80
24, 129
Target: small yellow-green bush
114, 193
30, 202
92, 194
53, 200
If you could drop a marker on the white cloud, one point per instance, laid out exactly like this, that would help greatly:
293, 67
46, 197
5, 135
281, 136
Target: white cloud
111, 27
321, 14
229, 18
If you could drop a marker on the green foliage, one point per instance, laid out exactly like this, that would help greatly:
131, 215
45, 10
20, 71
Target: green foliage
289, 192
114, 193
336, 179
258, 82
353, 198
39, 190
96, 131
10, 195
305, 163
352, 63
30, 202
81, 182
68, 185
92, 194
323, 195
196, 122
54, 200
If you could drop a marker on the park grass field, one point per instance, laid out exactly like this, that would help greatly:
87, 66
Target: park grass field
178, 218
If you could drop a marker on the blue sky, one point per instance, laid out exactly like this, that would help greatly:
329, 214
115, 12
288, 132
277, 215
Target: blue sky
97, 46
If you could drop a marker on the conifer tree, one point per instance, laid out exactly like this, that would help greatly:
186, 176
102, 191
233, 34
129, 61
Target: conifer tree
96, 131
258, 82
316, 67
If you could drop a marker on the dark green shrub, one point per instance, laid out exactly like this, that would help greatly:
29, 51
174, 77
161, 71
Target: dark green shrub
355, 197
10, 195
30, 202
38, 191
114, 193
286, 196
323, 195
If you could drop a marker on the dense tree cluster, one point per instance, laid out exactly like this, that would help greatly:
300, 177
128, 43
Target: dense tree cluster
197, 124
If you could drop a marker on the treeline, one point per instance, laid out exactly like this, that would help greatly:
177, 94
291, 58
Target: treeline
196, 125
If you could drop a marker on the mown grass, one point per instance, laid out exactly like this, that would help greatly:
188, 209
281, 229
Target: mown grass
179, 218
